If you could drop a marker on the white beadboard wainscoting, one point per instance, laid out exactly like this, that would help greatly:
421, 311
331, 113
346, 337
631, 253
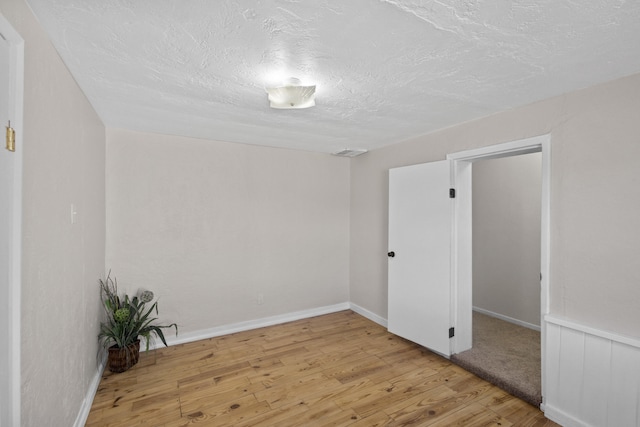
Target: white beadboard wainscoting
592, 377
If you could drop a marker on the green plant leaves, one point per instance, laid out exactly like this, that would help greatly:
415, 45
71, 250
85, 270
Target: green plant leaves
128, 318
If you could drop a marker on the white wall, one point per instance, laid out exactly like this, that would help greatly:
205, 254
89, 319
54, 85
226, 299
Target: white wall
594, 200
506, 236
593, 376
209, 226
64, 163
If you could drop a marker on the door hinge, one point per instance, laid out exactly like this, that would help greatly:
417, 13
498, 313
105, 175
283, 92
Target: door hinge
452, 332
11, 138
452, 193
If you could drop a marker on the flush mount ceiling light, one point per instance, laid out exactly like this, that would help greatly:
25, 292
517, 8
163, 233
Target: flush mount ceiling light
292, 95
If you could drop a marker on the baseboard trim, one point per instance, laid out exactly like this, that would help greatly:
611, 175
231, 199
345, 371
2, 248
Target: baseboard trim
507, 318
562, 418
85, 408
369, 314
251, 324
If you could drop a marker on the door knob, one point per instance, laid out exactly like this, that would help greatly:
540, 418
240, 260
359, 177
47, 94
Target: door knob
391, 254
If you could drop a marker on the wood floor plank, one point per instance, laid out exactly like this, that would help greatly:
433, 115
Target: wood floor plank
232, 417
432, 408
376, 420
289, 391
473, 415
362, 393
335, 370
288, 416
194, 407
347, 372
512, 409
327, 413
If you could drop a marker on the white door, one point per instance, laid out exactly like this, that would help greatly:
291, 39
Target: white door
420, 218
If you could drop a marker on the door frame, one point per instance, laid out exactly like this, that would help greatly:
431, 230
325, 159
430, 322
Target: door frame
16, 95
461, 248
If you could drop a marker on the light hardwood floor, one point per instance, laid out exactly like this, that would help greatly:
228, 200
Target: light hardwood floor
336, 370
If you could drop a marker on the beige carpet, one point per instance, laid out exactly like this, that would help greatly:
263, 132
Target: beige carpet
506, 355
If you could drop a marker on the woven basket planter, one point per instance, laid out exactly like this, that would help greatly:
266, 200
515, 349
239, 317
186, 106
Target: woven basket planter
122, 358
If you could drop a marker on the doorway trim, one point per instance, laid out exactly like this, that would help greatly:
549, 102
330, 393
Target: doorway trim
461, 248
16, 96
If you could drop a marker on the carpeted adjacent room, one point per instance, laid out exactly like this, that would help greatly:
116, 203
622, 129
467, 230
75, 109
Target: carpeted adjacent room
506, 355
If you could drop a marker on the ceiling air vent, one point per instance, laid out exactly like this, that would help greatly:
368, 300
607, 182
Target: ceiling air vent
349, 153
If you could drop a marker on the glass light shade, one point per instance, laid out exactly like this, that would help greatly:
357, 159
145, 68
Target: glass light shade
292, 95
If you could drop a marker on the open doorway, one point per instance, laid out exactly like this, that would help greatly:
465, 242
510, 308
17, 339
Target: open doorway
462, 250
506, 275
430, 230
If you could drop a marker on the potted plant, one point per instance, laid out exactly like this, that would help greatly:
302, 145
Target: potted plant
128, 320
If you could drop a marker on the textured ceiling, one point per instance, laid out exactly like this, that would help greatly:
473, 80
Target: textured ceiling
385, 70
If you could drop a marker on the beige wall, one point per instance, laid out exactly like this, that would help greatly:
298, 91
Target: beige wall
506, 236
64, 163
208, 226
594, 200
